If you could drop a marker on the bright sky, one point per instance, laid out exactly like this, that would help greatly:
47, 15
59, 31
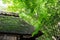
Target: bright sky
2, 5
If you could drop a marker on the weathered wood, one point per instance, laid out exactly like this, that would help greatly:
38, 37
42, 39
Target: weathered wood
6, 37
9, 14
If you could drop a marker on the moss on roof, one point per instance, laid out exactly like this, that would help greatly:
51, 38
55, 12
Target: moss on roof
15, 25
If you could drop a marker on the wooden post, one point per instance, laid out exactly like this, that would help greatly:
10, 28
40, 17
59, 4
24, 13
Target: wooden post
21, 37
17, 38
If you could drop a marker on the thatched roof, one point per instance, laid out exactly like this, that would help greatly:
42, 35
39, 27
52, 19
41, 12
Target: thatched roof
11, 24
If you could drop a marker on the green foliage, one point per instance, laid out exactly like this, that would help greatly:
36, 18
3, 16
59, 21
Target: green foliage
43, 14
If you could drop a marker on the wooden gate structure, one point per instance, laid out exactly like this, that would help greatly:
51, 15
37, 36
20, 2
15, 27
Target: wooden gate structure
13, 26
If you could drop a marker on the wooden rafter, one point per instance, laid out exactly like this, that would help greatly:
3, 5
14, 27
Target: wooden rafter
9, 14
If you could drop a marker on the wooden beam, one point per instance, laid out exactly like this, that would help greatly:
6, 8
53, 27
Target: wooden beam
9, 14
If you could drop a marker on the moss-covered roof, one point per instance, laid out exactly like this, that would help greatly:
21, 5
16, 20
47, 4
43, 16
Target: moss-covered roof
15, 25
